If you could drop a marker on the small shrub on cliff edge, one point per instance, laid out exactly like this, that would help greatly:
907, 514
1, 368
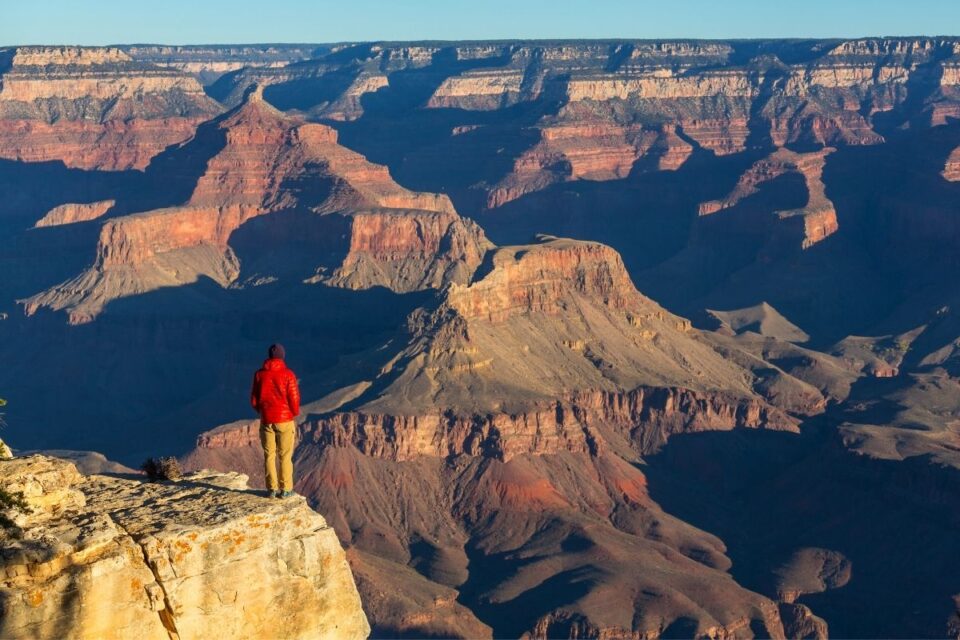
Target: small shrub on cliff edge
164, 468
5, 452
13, 501
9, 500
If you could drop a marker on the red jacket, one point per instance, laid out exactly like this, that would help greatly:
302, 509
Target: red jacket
275, 394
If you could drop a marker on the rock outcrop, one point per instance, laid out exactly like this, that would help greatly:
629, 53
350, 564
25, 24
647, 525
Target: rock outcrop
408, 251
115, 557
811, 571
818, 215
951, 170
581, 149
75, 212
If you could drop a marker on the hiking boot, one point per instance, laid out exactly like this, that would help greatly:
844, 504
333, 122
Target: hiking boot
285, 494
270, 493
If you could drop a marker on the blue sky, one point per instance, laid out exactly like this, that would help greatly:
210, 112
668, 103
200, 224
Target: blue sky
237, 21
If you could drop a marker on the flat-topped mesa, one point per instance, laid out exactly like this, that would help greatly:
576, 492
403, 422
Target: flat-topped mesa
536, 278
713, 106
94, 107
114, 557
272, 163
897, 49
818, 215
480, 90
663, 85
668, 53
36, 75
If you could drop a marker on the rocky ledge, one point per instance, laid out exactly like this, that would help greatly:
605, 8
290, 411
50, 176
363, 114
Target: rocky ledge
115, 557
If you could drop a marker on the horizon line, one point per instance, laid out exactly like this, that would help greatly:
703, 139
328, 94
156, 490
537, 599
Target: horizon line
387, 41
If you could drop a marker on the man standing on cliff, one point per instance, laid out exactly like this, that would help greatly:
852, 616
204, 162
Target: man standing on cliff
276, 397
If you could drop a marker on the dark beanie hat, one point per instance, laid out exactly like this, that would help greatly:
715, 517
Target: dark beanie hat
276, 351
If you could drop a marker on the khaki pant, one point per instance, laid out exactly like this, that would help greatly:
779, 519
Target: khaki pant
277, 438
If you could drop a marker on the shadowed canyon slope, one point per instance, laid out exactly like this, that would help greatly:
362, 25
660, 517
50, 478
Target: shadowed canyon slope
596, 339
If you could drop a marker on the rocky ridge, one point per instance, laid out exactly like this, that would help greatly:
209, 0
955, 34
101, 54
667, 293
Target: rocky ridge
570, 309
270, 163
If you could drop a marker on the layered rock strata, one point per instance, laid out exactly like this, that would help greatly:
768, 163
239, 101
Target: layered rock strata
209, 63
585, 150
94, 108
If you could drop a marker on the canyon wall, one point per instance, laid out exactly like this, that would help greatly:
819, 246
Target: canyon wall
94, 108
607, 109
